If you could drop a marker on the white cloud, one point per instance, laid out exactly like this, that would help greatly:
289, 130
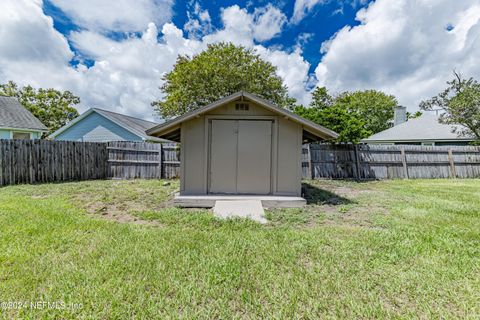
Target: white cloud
302, 7
30, 48
237, 27
293, 69
268, 22
302, 39
126, 74
199, 22
243, 28
404, 48
118, 15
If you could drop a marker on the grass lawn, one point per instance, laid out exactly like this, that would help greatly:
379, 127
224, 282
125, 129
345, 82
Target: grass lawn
117, 249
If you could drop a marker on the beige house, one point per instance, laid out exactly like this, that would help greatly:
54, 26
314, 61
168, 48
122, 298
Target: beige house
240, 145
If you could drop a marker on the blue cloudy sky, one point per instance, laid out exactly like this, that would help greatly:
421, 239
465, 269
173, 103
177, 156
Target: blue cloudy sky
113, 53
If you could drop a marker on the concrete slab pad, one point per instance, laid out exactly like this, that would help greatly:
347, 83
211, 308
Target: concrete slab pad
250, 209
208, 201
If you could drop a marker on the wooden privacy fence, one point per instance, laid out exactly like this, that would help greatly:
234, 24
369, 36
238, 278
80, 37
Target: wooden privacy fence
366, 162
129, 160
39, 161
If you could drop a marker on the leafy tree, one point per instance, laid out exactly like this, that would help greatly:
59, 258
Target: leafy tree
461, 103
413, 115
375, 108
353, 115
222, 69
321, 98
52, 107
336, 118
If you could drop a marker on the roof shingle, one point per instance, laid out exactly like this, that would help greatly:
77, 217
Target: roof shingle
138, 126
425, 127
14, 115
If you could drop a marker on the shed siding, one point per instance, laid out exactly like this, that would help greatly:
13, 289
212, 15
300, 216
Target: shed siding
96, 128
289, 164
193, 156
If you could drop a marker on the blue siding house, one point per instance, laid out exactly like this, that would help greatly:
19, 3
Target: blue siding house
16, 122
98, 125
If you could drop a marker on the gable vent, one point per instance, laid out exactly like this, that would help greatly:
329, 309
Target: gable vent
242, 106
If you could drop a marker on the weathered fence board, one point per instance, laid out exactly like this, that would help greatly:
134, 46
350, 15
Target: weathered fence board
37, 161
365, 162
130, 160
170, 160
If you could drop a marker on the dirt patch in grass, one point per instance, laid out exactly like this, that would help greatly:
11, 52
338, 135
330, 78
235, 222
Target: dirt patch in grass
111, 212
358, 216
128, 218
330, 202
121, 201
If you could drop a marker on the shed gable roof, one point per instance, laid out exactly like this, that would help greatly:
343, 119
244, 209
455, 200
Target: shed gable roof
134, 125
14, 115
313, 129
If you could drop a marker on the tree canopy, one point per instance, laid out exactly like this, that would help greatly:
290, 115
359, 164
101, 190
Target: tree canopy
52, 107
353, 115
222, 69
460, 102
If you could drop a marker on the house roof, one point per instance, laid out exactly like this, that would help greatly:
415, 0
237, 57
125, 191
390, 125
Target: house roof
134, 125
312, 129
15, 116
425, 127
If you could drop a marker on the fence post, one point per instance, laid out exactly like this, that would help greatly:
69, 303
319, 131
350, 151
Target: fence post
453, 173
161, 160
357, 161
309, 162
404, 162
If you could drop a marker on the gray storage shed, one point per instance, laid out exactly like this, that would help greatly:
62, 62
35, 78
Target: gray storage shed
241, 145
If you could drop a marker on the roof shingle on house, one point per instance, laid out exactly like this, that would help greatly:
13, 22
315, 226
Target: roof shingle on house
425, 127
134, 125
14, 115
138, 126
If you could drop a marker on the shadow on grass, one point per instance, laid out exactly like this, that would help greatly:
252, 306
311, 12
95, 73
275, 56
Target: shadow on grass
315, 195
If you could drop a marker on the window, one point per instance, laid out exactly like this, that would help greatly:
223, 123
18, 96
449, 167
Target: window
21, 135
241, 106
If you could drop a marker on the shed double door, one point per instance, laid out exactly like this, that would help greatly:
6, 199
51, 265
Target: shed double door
240, 156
